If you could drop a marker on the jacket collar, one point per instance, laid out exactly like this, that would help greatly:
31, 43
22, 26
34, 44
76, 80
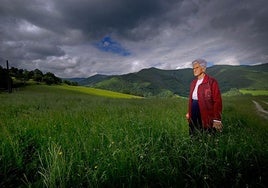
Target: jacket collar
205, 79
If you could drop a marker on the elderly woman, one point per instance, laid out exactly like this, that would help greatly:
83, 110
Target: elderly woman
205, 103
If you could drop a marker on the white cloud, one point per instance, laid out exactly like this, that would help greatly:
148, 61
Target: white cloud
228, 61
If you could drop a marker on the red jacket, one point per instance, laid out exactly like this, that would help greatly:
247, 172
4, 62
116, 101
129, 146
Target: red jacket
209, 100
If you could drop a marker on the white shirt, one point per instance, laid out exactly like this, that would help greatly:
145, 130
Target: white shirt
194, 95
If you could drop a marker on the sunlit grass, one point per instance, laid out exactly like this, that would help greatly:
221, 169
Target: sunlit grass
98, 92
254, 92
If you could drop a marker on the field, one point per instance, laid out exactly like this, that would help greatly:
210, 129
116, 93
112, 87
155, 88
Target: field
254, 92
56, 137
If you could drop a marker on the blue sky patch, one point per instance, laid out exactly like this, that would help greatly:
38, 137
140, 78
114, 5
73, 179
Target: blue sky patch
107, 44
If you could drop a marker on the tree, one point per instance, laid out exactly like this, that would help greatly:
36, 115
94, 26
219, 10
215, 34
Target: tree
38, 75
49, 78
21, 76
28, 74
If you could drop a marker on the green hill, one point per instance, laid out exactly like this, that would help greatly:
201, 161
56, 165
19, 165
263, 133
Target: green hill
241, 77
157, 82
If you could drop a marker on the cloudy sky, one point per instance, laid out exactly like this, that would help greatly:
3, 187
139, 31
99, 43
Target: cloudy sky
80, 38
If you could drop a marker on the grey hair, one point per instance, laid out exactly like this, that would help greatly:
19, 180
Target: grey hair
201, 62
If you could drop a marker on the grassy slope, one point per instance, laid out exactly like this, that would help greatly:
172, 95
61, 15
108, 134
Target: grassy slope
254, 92
241, 77
55, 137
80, 89
98, 92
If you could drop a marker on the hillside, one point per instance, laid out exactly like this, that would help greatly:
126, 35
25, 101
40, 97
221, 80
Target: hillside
152, 81
97, 92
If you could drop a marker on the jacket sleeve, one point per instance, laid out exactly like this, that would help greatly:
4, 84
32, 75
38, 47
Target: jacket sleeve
217, 101
190, 98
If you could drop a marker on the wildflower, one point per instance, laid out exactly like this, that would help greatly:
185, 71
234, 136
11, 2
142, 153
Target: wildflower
206, 176
112, 143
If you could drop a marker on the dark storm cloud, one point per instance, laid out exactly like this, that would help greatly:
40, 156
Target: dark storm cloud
60, 34
243, 23
99, 17
34, 11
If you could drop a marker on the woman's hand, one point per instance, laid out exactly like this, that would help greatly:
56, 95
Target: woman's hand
217, 125
187, 116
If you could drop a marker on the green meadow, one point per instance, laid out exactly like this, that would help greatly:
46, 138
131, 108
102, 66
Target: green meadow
59, 136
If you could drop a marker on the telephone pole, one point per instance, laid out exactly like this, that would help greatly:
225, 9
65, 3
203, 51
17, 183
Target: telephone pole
9, 87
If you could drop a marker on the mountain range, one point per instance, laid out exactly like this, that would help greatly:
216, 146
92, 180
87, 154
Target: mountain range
158, 82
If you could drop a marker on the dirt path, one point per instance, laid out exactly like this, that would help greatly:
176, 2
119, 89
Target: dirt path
263, 112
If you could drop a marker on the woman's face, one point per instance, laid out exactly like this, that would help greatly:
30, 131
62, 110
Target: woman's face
198, 69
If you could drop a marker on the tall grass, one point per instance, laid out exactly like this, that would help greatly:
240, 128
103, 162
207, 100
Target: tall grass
51, 137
